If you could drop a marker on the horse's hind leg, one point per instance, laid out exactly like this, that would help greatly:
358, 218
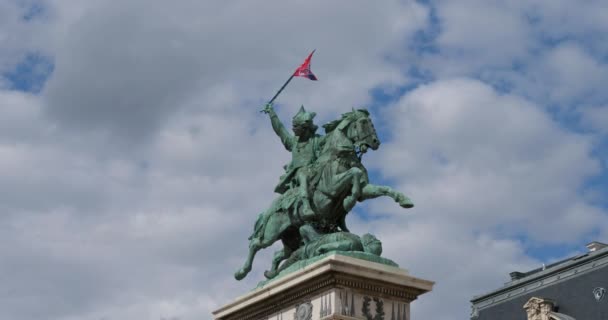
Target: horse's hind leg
278, 257
276, 260
267, 235
254, 246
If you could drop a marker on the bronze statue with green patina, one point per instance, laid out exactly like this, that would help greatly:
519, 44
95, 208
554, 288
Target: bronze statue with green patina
327, 172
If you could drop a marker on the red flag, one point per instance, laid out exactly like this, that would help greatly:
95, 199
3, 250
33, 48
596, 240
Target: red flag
304, 69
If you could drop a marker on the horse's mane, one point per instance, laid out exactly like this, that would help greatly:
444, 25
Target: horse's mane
332, 125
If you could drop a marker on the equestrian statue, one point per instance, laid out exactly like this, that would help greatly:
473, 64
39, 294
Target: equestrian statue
320, 186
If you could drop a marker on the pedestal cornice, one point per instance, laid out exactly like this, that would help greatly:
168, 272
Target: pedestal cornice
335, 272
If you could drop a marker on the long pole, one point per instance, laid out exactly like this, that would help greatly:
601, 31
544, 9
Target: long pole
283, 87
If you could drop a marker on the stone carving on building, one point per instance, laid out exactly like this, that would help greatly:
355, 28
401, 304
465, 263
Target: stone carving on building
599, 293
543, 309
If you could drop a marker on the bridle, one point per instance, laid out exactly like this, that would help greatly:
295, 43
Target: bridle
354, 137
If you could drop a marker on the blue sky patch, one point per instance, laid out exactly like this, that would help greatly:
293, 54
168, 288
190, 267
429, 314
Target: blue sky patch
33, 11
31, 73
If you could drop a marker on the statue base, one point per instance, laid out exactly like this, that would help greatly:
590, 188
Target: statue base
336, 287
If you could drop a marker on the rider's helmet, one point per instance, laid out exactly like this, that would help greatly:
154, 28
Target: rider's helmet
303, 121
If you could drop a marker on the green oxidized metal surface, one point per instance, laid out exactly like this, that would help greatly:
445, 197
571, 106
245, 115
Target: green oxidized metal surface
320, 186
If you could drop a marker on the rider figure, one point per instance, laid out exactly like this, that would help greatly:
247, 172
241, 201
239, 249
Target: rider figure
305, 146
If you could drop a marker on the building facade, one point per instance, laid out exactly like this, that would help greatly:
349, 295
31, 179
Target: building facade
573, 288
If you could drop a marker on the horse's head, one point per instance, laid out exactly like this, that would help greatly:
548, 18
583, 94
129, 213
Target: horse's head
358, 127
362, 132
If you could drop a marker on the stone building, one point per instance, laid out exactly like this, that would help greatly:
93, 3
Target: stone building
573, 288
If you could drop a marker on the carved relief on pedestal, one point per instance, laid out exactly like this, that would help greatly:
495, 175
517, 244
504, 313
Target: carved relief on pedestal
326, 309
366, 309
399, 311
347, 303
303, 311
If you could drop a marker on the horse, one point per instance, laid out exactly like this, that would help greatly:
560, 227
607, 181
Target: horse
338, 181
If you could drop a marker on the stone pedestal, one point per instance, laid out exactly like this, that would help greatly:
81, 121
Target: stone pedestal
337, 287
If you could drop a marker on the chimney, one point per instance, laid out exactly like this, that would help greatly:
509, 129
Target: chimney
595, 245
515, 275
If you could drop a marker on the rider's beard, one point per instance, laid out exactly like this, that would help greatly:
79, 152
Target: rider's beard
302, 133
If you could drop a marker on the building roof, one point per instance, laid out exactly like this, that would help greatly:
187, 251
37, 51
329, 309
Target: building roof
597, 250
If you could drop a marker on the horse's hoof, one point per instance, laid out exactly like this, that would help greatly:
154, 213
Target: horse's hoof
407, 204
270, 274
240, 274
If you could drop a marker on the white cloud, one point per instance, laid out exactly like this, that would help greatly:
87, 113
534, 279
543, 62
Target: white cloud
479, 29
482, 168
496, 159
562, 18
570, 74
127, 184
157, 60
548, 51
596, 118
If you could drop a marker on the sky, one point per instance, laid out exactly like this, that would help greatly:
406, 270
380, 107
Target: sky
134, 161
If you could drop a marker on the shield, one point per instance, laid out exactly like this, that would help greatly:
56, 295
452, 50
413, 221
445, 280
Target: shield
599, 293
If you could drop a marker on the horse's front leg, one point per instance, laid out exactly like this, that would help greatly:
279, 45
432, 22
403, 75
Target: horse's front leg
371, 191
350, 179
354, 177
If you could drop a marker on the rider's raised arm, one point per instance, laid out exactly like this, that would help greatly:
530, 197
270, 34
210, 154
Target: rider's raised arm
286, 138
